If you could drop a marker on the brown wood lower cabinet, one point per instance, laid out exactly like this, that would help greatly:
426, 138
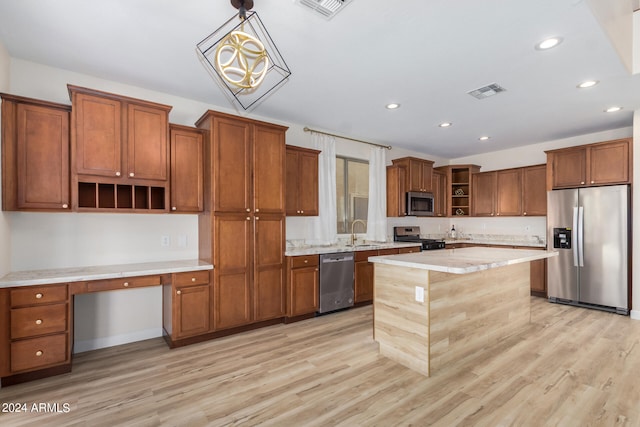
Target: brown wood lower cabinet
303, 279
187, 311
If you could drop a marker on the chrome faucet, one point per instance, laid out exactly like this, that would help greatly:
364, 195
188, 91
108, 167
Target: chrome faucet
353, 226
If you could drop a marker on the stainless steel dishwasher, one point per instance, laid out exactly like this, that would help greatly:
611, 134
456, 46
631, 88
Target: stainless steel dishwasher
336, 281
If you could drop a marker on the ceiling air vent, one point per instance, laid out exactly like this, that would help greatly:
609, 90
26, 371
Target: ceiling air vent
326, 8
487, 91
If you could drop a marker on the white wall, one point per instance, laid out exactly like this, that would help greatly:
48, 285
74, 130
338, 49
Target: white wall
5, 233
635, 262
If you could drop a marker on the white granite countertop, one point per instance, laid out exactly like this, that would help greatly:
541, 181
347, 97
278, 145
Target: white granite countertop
330, 249
505, 242
98, 272
463, 260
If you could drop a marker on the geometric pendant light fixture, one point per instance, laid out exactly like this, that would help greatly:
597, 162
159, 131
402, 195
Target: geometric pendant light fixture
242, 57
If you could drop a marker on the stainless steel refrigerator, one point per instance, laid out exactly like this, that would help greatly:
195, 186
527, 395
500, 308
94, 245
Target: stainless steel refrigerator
589, 227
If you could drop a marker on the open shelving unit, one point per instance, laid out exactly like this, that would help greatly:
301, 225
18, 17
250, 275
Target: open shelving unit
94, 195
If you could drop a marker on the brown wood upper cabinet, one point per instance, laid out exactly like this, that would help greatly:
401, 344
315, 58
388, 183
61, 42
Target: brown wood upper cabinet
35, 154
418, 175
116, 136
603, 163
439, 193
187, 164
510, 192
396, 190
301, 181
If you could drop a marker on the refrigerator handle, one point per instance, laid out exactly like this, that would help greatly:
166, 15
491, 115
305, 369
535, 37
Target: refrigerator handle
581, 236
576, 239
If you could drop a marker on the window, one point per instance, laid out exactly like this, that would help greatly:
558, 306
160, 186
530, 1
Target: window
352, 193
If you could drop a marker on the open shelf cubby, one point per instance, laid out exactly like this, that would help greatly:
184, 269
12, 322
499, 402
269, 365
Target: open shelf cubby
92, 195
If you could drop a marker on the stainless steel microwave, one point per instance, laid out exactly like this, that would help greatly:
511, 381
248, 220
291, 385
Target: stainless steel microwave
419, 203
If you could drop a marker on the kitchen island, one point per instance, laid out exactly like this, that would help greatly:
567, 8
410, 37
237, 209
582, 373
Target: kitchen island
438, 307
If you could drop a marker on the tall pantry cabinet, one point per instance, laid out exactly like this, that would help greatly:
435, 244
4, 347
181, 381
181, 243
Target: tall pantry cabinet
242, 229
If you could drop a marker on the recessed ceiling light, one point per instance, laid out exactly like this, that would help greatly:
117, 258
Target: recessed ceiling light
445, 124
613, 109
549, 43
483, 138
392, 106
587, 83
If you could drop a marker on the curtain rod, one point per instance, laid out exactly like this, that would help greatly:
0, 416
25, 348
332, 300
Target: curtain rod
306, 129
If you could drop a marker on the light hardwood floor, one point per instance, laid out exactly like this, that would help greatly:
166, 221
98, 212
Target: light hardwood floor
568, 367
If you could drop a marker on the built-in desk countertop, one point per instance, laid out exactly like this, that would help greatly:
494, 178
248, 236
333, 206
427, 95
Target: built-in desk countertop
99, 272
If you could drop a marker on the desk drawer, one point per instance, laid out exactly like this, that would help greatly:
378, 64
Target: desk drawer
191, 278
305, 261
38, 352
32, 295
123, 283
38, 320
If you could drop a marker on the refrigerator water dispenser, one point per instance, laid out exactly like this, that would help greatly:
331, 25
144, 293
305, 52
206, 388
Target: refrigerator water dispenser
562, 238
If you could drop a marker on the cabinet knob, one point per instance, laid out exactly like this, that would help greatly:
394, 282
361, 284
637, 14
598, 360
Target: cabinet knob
306, 261
193, 279
38, 295
593, 182
525, 214
257, 210
173, 208
117, 173
39, 322
316, 269
498, 214
125, 284
131, 174
257, 218
65, 206
248, 210
39, 353
248, 218
301, 211
297, 211
581, 182
179, 292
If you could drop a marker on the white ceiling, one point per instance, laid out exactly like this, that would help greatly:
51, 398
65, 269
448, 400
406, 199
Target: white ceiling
424, 54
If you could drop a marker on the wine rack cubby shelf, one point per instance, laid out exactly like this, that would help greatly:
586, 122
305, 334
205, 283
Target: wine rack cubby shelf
121, 197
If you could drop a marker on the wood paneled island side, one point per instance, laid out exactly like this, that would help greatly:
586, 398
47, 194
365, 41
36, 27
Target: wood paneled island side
472, 298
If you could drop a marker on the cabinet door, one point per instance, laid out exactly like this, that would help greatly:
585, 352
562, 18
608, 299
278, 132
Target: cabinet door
98, 135
538, 276
268, 169
363, 281
440, 194
148, 150
509, 192
231, 155
609, 163
427, 175
534, 190
303, 291
191, 311
187, 163
415, 175
396, 199
569, 168
232, 270
308, 186
269, 283
484, 193
42, 157
292, 183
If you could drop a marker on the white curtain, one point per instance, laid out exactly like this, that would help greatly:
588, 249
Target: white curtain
377, 216
325, 225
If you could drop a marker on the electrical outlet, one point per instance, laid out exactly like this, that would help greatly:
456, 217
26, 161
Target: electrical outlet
419, 294
165, 241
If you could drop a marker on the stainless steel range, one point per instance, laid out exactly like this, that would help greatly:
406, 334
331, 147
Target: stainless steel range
412, 234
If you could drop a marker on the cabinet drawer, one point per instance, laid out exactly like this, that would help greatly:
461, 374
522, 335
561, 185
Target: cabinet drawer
38, 352
191, 278
38, 295
305, 261
394, 251
39, 320
123, 283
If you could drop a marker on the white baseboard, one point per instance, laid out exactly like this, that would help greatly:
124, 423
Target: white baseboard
635, 314
96, 343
